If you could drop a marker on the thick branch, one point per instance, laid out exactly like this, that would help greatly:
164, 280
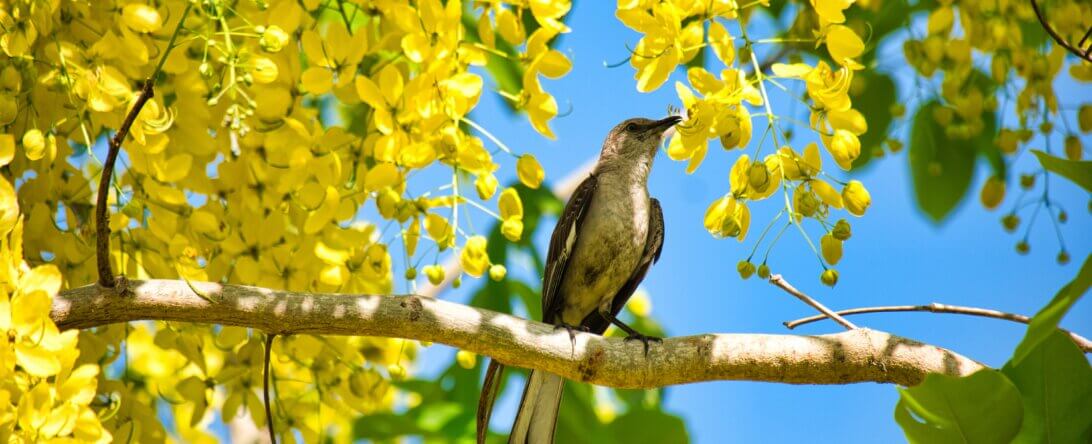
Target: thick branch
934, 307
859, 355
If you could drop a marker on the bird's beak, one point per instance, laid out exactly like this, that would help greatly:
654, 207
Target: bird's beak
661, 126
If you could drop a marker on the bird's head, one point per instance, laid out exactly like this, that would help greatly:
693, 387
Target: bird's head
637, 138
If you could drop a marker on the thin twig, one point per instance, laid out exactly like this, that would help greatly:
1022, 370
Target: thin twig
934, 307
1057, 38
781, 283
102, 218
265, 387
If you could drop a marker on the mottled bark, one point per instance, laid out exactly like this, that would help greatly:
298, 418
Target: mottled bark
859, 355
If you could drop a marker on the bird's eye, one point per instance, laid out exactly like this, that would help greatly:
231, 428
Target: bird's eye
631, 127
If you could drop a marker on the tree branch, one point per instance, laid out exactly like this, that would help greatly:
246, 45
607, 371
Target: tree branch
859, 355
1057, 38
781, 283
934, 307
102, 217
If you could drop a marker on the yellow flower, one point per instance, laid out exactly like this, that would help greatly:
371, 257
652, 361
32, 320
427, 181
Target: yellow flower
510, 205
273, 39
530, 171
439, 230
832, 248
512, 229
727, 217
830, 11
844, 147
264, 70
844, 46
466, 359
486, 185
141, 18
856, 198
474, 258
435, 274
34, 144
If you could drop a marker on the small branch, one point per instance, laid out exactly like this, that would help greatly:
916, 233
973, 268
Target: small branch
859, 355
1057, 38
781, 283
102, 217
934, 307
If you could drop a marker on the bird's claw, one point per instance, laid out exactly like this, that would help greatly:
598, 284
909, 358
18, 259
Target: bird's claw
572, 329
644, 340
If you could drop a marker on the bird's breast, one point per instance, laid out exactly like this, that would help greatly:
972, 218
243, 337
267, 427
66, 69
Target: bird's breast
608, 249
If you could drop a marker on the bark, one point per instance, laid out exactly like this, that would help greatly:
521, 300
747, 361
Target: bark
859, 355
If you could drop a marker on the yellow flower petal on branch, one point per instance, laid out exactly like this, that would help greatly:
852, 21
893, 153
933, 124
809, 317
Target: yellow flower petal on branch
844, 45
530, 172
474, 258
856, 198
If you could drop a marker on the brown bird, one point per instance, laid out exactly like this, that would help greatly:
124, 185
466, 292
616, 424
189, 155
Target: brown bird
609, 235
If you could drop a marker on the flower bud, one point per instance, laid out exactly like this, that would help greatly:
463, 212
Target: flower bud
466, 359
1022, 247
273, 39
1027, 181
831, 248
1073, 148
1010, 222
529, 171
1063, 217
805, 202
764, 271
34, 144
993, 192
758, 177
1063, 258
1084, 118
497, 272
856, 198
435, 274
411, 273
842, 230
512, 229
264, 70
829, 277
486, 185
745, 269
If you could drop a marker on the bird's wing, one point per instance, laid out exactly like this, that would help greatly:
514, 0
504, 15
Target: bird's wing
595, 322
562, 243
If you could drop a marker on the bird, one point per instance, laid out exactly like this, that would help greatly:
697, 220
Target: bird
606, 239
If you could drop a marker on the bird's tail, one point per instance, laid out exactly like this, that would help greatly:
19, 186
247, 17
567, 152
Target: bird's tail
537, 417
493, 377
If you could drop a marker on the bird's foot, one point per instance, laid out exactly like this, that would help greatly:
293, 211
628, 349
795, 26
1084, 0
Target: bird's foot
644, 340
572, 329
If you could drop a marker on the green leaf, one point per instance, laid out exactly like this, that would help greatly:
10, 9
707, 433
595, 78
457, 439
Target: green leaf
577, 422
1077, 171
942, 168
1055, 383
981, 408
1046, 320
874, 101
649, 426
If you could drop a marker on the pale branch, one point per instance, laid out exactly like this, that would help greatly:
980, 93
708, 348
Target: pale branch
781, 283
859, 355
935, 307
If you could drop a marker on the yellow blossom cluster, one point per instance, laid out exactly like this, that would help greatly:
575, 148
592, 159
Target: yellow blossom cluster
715, 107
46, 386
274, 125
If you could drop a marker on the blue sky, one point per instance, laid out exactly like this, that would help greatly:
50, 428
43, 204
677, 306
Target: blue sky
896, 256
